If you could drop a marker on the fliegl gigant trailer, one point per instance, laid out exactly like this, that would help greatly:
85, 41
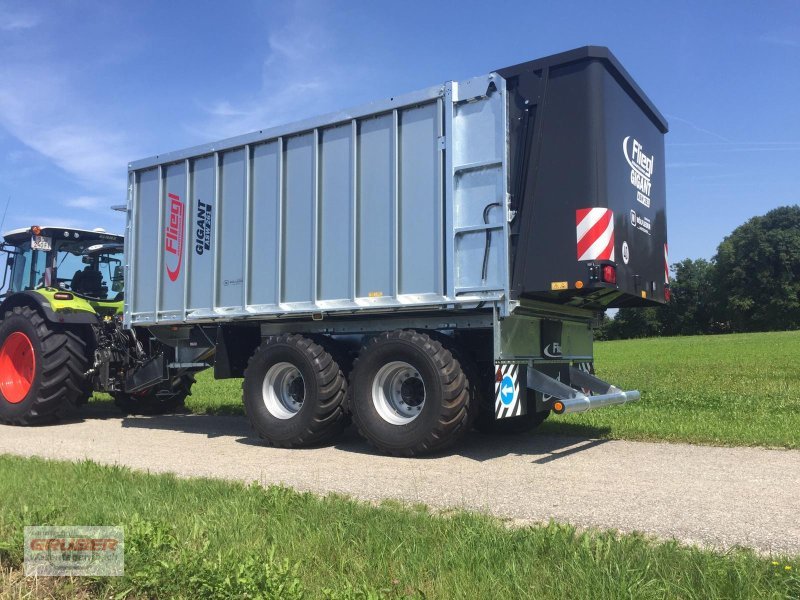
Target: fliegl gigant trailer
420, 264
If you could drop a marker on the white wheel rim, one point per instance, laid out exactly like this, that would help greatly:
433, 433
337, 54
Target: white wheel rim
283, 390
398, 393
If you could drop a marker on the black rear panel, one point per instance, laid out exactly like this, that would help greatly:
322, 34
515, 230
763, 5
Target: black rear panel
587, 182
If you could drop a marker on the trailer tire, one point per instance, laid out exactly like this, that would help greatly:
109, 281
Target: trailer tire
293, 392
425, 416
154, 401
42, 368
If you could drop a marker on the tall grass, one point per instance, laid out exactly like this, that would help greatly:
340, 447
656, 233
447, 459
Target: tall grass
212, 539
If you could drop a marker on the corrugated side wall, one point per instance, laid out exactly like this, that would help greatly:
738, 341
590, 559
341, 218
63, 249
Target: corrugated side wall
397, 205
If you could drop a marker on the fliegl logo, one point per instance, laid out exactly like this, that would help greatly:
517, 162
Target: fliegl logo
553, 350
641, 168
173, 241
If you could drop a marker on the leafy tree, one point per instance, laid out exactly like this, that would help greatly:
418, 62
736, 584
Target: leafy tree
757, 272
601, 328
692, 308
634, 323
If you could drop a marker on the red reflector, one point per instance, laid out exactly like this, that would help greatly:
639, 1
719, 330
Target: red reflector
667, 294
609, 274
62, 296
499, 375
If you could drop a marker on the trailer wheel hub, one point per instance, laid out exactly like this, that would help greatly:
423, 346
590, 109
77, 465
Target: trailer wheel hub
17, 367
284, 390
398, 393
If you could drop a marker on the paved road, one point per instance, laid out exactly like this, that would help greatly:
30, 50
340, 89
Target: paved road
719, 497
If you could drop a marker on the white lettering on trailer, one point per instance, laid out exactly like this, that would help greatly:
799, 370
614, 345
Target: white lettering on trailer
640, 222
642, 167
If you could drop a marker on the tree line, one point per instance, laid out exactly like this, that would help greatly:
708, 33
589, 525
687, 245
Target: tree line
751, 284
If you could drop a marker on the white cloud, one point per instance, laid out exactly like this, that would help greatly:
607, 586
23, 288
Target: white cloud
697, 127
778, 40
18, 221
40, 107
12, 21
298, 80
88, 202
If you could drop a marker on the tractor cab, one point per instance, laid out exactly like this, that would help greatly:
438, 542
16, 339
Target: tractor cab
67, 261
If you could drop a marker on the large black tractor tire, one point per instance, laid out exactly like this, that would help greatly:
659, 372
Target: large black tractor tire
42, 369
293, 392
157, 400
409, 394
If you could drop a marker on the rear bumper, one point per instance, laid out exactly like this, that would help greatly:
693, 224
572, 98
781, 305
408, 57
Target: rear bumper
585, 392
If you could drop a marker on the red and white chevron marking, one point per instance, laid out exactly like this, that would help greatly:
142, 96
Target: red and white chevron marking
595, 229
666, 266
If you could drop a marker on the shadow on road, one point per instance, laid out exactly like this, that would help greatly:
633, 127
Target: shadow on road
210, 426
542, 448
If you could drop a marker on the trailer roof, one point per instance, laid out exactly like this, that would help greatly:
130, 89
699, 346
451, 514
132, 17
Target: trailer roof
593, 53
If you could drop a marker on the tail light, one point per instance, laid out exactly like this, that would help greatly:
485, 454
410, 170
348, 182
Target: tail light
667, 293
609, 274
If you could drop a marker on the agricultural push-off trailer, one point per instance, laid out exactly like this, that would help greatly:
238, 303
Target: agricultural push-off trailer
416, 264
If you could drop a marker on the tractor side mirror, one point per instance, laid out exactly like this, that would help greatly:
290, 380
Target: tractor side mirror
10, 261
117, 281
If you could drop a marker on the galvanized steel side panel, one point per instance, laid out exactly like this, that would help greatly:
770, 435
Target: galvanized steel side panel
265, 225
337, 214
299, 220
376, 188
420, 207
363, 212
203, 215
231, 211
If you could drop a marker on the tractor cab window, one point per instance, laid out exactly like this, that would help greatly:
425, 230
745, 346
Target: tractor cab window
93, 271
28, 269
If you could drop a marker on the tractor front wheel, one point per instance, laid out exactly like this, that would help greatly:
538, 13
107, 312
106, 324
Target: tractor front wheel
42, 368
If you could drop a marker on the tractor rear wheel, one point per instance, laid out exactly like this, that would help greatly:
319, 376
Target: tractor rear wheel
42, 368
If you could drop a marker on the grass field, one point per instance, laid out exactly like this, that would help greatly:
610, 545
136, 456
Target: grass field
741, 389
204, 538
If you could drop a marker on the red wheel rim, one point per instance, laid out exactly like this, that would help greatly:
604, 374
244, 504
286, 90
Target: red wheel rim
17, 367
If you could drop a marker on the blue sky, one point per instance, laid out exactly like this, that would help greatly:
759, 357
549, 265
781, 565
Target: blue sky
86, 87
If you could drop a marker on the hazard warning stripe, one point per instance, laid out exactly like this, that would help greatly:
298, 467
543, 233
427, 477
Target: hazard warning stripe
502, 411
594, 229
666, 265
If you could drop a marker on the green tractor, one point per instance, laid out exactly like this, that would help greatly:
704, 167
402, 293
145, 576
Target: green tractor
61, 334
